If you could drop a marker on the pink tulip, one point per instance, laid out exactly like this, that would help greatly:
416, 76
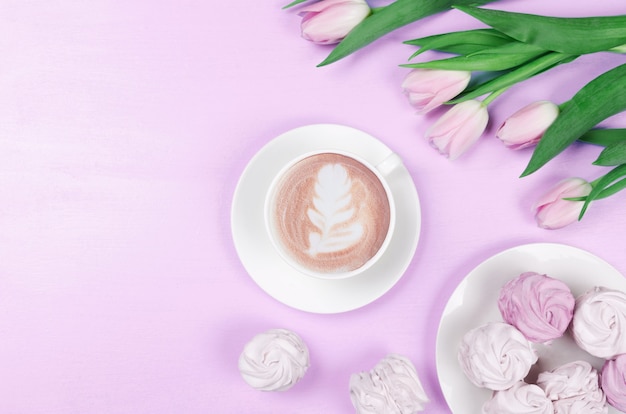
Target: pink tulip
429, 88
329, 21
459, 128
526, 126
553, 212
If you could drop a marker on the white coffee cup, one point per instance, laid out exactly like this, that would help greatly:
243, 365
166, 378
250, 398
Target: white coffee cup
331, 214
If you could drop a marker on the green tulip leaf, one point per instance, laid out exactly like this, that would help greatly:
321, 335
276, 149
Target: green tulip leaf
604, 137
460, 49
604, 96
578, 35
612, 189
603, 187
512, 48
462, 43
516, 75
294, 3
503, 57
389, 18
614, 154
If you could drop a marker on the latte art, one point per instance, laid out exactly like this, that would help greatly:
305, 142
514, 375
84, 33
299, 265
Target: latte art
330, 213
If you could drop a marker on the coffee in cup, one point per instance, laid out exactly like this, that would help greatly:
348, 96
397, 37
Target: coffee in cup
330, 214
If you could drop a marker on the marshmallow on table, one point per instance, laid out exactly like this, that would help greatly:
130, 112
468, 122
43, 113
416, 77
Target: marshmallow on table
495, 355
569, 380
392, 386
539, 306
613, 380
599, 323
274, 360
520, 398
574, 388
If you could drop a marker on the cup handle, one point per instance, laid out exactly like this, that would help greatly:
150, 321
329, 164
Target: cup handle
389, 164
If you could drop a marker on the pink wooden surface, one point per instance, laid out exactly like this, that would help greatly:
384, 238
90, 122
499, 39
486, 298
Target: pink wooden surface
124, 127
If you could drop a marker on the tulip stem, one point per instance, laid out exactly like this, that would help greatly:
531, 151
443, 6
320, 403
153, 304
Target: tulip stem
595, 182
493, 95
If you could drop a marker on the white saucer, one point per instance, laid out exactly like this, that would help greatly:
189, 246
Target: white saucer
282, 281
474, 302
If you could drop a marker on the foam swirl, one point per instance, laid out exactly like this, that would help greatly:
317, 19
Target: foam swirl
495, 356
599, 323
274, 360
332, 212
539, 306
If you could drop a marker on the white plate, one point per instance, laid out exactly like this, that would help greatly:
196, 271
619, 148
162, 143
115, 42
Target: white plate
264, 264
474, 302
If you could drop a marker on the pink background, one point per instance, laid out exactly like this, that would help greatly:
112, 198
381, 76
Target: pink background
124, 127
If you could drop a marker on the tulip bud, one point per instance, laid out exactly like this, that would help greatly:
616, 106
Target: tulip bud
329, 21
459, 128
526, 126
553, 212
429, 88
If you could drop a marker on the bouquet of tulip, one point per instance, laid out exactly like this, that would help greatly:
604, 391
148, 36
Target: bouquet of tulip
352, 24
485, 64
515, 48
